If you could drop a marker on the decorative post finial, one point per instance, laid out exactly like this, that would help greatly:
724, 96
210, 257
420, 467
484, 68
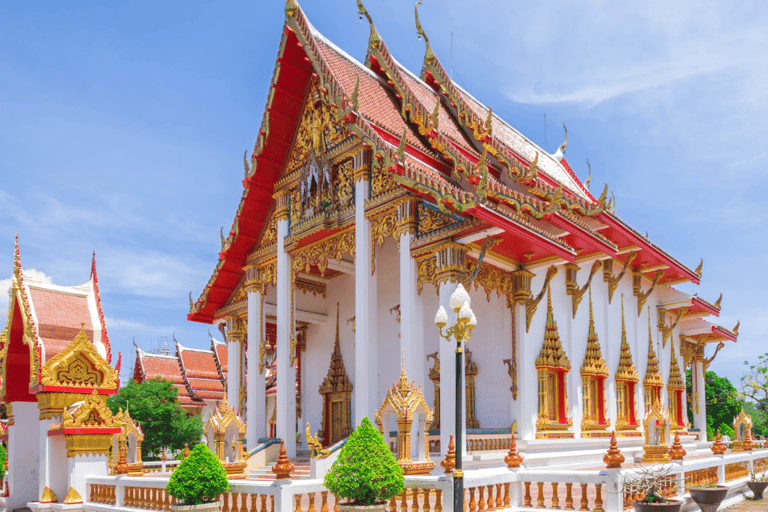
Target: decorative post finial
513, 458
676, 451
122, 466
718, 448
186, 451
283, 467
613, 458
449, 462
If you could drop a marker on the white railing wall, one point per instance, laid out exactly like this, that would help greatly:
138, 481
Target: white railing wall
485, 489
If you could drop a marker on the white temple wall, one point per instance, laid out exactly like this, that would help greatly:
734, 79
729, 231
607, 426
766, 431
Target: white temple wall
23, 455
320, 339
432, 340
576, 347
388, 288
491, 342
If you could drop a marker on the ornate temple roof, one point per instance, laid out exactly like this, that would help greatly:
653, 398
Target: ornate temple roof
455, 153
149, 366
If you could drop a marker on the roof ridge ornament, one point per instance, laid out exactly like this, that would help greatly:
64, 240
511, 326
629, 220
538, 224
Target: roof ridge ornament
429, 55
291, 6
245, 163
698, 269
589, 176
374, 39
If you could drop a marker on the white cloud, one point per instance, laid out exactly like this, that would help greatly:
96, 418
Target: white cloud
122, 324
149, 273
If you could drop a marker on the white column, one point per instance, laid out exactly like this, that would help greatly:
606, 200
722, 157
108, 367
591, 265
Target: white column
23, 455
411, 306
700, 415
46, 460
233, 370
285, 394
366, 372
256, 394
527, 379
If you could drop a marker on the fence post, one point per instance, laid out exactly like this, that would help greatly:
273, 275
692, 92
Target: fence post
119, 491
680, 478
614, 500
721, 469
283, 498
516, 489
446, 484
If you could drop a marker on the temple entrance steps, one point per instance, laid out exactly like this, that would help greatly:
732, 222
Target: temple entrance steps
301, 471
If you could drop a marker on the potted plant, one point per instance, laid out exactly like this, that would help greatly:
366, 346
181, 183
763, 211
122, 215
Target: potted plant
366, 473
198, 481
757, 482
708, 497
649, 481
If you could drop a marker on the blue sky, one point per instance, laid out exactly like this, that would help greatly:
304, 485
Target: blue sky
122, 130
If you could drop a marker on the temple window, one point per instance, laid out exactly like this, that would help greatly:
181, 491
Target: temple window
593, 374
626, 381
552, 366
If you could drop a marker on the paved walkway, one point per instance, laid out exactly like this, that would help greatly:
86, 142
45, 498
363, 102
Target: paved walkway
750, 506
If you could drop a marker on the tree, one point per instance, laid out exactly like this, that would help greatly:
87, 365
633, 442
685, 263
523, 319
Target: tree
754, 386
722, 401
153, 404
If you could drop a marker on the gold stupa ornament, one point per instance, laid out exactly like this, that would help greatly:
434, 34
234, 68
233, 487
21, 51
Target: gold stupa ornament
403, 399
626, 382
656, 427
594, 371
675, 389
653, 381
742, 427
129, 441
552, 366
225, 434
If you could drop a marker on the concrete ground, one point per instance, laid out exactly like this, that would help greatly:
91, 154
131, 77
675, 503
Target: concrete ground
749, 505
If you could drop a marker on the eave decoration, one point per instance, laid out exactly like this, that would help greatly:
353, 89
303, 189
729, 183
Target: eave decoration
642, 296
613, 281
594, 371
571, 285
552, 366
403, 399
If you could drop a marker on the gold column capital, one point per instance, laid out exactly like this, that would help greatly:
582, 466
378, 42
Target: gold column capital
407, 216
450, 262
283, 200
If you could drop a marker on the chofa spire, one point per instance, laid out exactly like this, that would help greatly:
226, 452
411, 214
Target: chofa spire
429, 56
374, 39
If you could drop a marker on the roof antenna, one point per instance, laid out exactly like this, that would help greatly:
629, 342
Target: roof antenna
451, 56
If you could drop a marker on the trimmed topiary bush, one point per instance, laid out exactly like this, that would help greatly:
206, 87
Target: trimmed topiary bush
200, 478
366, 472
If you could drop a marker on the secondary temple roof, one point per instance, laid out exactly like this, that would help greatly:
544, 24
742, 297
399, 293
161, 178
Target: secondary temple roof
438, 142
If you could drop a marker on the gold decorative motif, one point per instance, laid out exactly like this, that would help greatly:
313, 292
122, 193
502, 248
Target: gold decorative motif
93, 413
653, 381
430, 220
404, 399
642, 296
449, 462
571, 285
613, 281
48, 496
283, 467
425, 272
532, 304
742, 428
718, 448
72, 497
675, 389
269, 235
320, 253
381, 227
513, 458
336, 390
492, 280
666, 331
470, 371
227, 432
552, 366
309, 286
719, 300
434, 376
676, 451
613, 458
594, 371
315, 446
697, 271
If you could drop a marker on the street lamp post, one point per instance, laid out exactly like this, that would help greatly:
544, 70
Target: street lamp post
460, 332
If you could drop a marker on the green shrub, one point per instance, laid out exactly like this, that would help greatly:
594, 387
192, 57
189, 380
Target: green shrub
3, 456
366, 472
200, 478
727, 430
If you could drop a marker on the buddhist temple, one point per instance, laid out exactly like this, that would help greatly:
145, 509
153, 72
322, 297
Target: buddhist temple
381, 189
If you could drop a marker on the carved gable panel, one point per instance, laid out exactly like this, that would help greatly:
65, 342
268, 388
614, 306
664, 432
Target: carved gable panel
79, 365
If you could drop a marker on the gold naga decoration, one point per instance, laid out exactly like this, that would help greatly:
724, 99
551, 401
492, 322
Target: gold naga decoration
552, 366
719, 300
613, 281
594, 371
571, 285
315, 446
434, 376
697, 271
653, 381
404, 398
383, 226
626, 378
532, 304
336, 390
642, 296
512, 362
666, 330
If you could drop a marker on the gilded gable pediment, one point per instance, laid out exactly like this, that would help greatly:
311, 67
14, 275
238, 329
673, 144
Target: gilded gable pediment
79, 365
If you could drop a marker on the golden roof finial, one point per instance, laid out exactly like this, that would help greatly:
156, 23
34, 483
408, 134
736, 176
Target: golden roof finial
698, 269
290, 7
652, 373
429, 56
735, 329
565, 143
589, 177
374, 39
17, 259
402, 384
245, 162
717, 302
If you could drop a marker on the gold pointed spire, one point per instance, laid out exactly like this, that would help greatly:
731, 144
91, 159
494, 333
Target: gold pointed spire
402, 384
652, 374
626, 370
594, 364
552, 354
429, 56
675, 379
336, 380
